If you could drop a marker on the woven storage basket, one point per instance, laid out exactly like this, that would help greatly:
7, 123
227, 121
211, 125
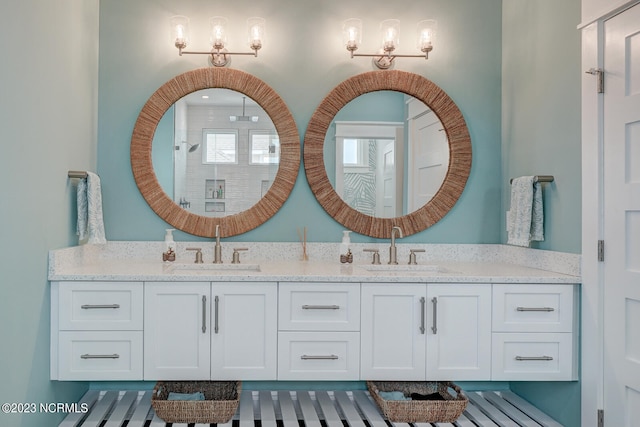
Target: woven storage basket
219, 406
419, 411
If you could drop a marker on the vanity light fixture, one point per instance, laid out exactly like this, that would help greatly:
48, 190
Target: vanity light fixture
389, 32
219, 55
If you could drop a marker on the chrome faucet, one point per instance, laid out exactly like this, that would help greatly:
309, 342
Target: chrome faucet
393, 256
217, 253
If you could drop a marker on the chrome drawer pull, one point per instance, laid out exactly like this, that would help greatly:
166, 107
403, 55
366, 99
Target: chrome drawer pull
216, 325
330, 357
528, 358
434, 328
422, 314
535, 309
204, 314
93, 306
320, 307
100, 356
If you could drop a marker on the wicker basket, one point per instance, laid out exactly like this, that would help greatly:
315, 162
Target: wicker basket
419, 411
219, 406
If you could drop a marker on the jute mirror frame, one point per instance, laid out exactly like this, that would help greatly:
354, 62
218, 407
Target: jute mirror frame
454, 126
159, 103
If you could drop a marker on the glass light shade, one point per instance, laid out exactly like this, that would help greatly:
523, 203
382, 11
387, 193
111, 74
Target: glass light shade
256, 32
218, 31
352, 33
390, 32
427, 34
180, 31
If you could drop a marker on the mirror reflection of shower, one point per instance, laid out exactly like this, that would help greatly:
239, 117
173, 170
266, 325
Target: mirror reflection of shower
192, 147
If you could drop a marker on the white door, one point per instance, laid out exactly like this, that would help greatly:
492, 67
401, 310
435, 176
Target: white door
176, 331
428, 159
459, 332
392, 332
622, 220
386, 179
244, 331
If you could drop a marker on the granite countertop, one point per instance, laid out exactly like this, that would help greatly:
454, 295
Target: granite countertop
133, 261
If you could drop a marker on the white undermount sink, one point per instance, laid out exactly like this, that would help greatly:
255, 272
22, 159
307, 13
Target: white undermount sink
212, 268
433, 268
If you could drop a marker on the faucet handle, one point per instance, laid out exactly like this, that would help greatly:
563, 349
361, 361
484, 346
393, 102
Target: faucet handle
412, 255
198, 255
236, 255
376, 255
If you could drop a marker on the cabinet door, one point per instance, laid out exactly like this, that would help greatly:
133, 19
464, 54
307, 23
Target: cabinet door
177, 339
244, 331
459, 332
392, 332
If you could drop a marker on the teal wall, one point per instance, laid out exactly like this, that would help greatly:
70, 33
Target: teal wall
541, 135
302, 59
48, 125
541, 111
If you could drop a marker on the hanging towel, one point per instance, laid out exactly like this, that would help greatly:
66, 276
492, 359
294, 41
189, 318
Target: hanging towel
90, 222
525, 216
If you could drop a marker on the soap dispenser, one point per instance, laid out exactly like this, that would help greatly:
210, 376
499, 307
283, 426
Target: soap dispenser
169, 253
345, 247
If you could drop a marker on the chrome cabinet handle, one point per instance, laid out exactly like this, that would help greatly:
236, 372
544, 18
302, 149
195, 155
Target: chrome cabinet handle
204, 314
528, 358
329, 357
100, 356
94, 306
320, 307
215, 319
422, 315
535, 309
434, 328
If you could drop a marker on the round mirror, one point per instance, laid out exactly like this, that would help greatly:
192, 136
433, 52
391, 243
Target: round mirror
386, 154
414, 97
216, 152
155, 160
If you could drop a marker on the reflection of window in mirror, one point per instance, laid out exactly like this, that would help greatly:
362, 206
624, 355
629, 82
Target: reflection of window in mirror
355, 152
265, 147
220, 146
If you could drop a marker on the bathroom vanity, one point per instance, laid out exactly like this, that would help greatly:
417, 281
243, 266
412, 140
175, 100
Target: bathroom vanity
477, 313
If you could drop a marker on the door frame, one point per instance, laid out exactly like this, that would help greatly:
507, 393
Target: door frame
592, 306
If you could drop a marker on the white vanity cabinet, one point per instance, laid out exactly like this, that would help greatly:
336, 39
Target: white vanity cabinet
96, 331
244, 331
458, 331
534, 332
201, 331
319, 331
417, 332
393, 331
177, 336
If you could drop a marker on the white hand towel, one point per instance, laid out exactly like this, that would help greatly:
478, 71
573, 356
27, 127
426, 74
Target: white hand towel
90, 221
525, 216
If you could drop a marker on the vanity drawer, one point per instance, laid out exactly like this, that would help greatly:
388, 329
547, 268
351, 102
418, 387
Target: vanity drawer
318, 355
101, 306
533, 308
319, 307
104, 355
532, 357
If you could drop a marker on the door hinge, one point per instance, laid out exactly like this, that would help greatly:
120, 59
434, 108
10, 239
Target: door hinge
601, 250
600, 417
599, 72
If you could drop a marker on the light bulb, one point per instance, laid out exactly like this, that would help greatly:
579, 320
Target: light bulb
390, 34
352, 33
426, 34
180, 31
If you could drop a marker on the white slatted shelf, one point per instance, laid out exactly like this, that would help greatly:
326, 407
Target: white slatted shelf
314, 408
